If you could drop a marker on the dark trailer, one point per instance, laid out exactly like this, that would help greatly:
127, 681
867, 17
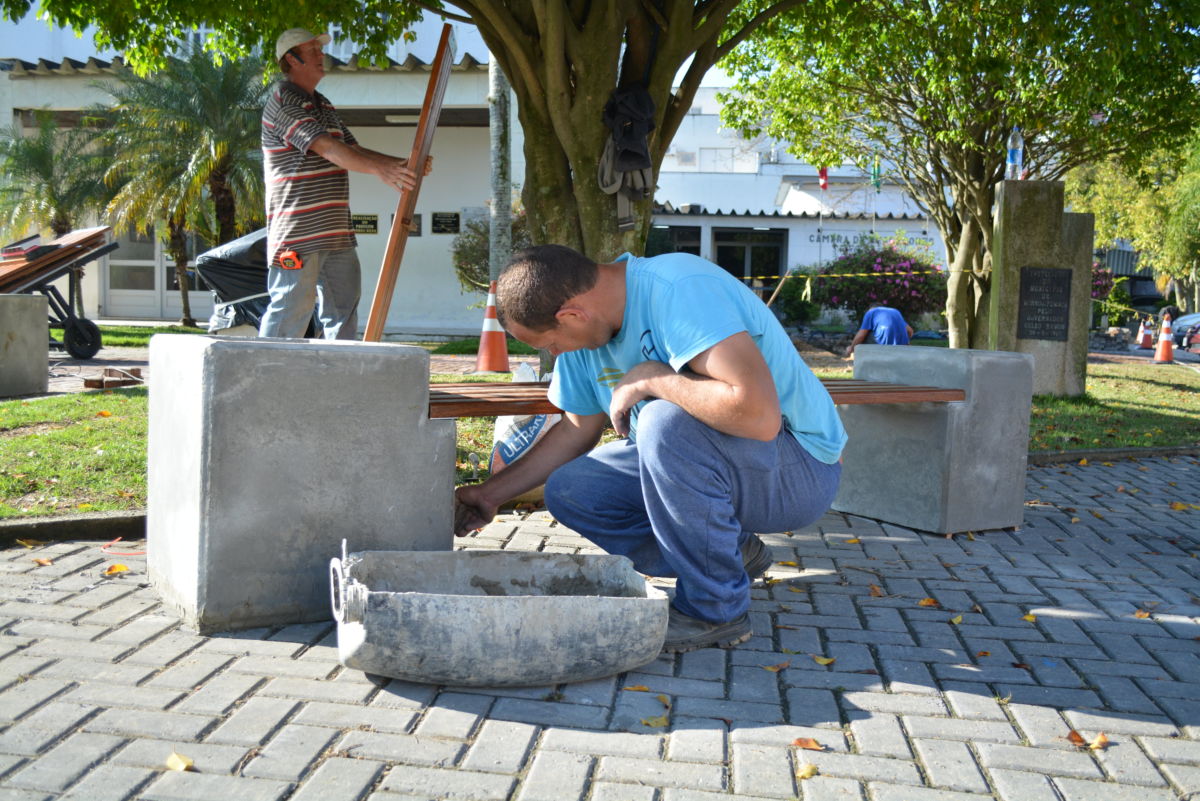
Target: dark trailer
236, 272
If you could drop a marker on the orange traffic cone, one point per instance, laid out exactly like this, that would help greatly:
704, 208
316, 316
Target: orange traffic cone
1144, 337
493, 347
1166, 343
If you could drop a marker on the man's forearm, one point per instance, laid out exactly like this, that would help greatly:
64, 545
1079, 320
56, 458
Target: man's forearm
392, 171
562, 443
727, 408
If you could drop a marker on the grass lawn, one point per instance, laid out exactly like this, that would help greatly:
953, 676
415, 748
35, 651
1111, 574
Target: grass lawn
1127, 405
87, 451
138, 336
470, 347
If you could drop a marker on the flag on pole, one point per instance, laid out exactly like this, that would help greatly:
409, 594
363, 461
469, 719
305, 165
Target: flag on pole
823, 178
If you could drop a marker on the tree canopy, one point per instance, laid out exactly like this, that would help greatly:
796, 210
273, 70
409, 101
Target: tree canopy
1155, 206
563, 58
935, 88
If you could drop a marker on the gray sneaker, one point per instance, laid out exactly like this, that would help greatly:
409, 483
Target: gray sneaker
686, 633
756, 557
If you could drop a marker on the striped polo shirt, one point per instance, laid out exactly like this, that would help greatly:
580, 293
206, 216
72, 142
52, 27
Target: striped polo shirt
308, 197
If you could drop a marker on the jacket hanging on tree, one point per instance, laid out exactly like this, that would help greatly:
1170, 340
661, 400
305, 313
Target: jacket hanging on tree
625, 168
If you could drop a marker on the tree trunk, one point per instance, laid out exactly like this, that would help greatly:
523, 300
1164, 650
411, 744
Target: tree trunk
224, 203
177, 245
960, 299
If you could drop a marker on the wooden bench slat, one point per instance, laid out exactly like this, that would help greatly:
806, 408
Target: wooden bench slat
490, 399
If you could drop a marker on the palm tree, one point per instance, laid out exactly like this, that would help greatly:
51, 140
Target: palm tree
187, 136
50, 178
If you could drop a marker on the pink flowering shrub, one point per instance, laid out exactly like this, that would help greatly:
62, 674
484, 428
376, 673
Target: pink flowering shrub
1102, 281
881, 271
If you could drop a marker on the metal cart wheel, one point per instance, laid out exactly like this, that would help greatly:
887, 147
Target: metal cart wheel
81, 337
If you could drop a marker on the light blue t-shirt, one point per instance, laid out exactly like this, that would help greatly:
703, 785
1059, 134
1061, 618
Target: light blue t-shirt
676, 307
887, 325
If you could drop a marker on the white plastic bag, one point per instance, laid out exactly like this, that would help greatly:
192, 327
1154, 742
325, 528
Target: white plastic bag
516, 434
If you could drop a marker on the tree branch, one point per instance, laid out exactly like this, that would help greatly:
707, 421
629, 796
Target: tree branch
441, 11
705, 31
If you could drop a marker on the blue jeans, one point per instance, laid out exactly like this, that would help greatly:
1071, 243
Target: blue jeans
682, 499
330, 277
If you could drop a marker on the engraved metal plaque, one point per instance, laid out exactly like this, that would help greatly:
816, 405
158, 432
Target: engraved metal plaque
1045, 304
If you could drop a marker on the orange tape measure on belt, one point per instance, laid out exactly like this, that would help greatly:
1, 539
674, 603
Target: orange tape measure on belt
290, 260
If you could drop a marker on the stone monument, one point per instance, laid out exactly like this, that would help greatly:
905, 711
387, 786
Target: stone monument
1041, 284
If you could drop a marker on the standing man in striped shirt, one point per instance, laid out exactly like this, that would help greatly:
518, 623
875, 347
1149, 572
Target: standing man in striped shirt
307, 151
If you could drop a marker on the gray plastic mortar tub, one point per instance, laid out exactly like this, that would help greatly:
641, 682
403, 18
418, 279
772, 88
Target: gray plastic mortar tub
494, 618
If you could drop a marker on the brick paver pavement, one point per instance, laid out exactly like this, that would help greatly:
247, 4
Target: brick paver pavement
1086, 620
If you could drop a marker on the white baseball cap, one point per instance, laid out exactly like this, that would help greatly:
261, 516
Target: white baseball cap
294, 37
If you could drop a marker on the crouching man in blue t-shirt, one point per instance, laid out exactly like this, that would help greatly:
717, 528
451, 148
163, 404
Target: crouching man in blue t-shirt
885, 324
728, 432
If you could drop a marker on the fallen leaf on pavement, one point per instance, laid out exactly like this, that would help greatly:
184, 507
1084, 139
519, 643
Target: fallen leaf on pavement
116, 569
984, 653
928, 602
179, 762
30, 543
853, 541
824, 660
789, 564
1141, 613
1029, 618
777, 668
806, 771
1100, 743
664, 700
637, 688
1075, 738
659, 722
808, 744
876, 592
44, 562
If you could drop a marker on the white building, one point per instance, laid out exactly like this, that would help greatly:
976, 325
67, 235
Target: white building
746, 205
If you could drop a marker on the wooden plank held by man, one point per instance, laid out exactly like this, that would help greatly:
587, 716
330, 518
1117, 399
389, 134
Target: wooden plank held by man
422, 144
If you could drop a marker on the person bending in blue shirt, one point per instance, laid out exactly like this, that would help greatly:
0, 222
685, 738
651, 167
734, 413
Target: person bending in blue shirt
727, 432
886, 324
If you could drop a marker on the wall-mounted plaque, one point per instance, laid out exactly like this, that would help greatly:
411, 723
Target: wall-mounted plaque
365, 223
444, 222
1045, 304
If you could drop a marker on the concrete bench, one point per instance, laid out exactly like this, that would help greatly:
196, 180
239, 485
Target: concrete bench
938, 437
940, 467
265, 454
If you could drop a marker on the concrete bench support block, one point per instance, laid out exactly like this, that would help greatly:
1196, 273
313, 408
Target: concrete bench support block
940, 467
265, 454
24, 345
